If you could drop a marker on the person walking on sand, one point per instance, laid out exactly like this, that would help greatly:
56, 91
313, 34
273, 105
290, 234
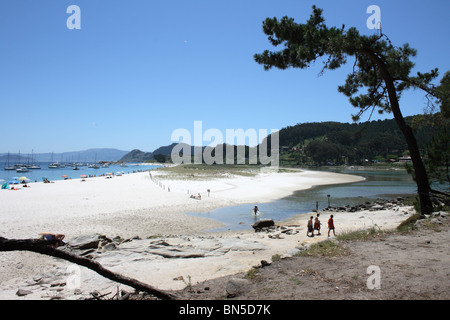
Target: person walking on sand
331, 225
310, 227
317, 225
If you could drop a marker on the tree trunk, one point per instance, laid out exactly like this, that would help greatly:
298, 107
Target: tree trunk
42, 246
423, 185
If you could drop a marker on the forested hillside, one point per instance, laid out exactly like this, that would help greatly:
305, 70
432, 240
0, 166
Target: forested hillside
345, 143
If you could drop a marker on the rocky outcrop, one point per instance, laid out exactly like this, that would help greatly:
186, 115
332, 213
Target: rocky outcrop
380, 204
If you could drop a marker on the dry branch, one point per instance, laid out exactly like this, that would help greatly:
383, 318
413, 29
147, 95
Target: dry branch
43, 247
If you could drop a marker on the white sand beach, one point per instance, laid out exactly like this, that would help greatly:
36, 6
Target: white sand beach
141, 205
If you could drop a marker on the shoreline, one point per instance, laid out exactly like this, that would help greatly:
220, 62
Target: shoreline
134, 205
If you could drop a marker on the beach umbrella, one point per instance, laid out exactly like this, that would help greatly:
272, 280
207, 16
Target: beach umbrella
83, 176
13, 182
23, 178
64, 176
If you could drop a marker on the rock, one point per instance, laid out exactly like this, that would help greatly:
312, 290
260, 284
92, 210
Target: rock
292, 252
439, 214
377, 207
178, 252
303, 247
23, 292
109, 247
264, 223
264, 263
275, 236
435, 221
85, 242
235, 287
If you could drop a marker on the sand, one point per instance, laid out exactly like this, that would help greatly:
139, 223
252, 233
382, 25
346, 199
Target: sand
141, 205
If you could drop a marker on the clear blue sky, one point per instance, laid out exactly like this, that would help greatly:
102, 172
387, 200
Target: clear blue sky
139, 69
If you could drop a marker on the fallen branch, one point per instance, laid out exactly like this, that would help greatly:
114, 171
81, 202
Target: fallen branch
43, 247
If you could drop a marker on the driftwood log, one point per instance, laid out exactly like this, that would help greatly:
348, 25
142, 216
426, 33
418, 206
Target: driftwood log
44, 247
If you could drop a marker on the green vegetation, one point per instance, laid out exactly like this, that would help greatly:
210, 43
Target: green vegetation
251, 274
327, 248
381, 73
208, 172
334, 143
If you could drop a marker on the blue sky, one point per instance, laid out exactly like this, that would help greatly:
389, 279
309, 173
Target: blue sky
137, 70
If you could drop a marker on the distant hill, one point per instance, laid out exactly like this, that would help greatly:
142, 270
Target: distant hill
329, 143
90, 155
140, 156
137, 156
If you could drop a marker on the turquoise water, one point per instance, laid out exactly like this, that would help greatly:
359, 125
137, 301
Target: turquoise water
57, 174
378, 184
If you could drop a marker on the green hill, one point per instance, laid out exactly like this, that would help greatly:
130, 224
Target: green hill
345, 143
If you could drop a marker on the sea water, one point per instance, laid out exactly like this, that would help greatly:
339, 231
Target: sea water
37, 175
384, 184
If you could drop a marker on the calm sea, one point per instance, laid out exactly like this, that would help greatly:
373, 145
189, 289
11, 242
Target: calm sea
384, 184
68, 172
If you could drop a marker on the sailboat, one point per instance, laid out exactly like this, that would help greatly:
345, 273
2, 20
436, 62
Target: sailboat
95, 165
54, 165
34, 165
8, 166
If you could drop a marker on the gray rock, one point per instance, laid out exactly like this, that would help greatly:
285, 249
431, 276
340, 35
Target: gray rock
23, 292
109, 247
85, 242
236, 287
264, 223
234, 244
292, 252
171, 252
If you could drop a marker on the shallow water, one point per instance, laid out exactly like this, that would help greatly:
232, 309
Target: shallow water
37, 175
378, 184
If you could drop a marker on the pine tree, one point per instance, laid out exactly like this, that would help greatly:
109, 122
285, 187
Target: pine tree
380, 67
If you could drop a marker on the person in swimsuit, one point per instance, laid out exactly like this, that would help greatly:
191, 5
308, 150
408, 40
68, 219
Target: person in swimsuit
317, 225
331, 225
56, 238
310, 227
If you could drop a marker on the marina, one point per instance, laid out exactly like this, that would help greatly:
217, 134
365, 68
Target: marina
51, 171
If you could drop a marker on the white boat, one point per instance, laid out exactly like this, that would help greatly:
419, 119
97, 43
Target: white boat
33, 166
8, 166
22, 169
54, 165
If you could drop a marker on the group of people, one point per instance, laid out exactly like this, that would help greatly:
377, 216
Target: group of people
198, 197
316, 226
312, 226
